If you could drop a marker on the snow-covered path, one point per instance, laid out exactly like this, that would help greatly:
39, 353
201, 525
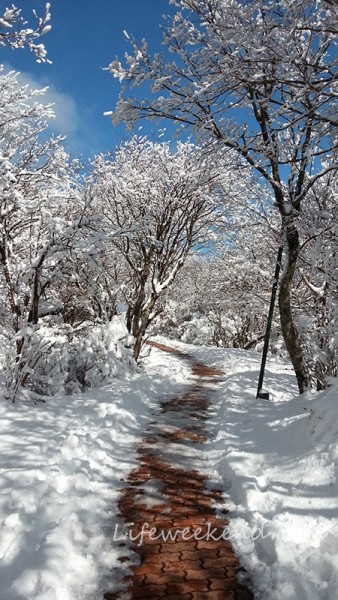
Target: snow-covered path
180, 546
61, 465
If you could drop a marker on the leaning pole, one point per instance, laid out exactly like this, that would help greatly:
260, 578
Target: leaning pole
260, 393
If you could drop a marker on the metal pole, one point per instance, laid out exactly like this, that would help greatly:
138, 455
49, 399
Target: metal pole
261, 394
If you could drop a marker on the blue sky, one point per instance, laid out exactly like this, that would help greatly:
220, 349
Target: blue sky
86, 36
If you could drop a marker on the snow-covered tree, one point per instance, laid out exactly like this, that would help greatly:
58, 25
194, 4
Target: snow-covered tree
316, 284
222, 298
213, 303
16, 32
43, 213
166, 198
259, 78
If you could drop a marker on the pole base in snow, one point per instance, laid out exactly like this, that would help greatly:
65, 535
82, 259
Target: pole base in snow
263, 395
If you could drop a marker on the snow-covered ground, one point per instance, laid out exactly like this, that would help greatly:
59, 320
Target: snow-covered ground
278, 462
61, 465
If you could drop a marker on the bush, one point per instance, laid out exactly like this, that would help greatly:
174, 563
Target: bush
61, 359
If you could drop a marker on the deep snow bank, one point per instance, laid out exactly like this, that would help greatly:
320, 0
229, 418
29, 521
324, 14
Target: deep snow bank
278, 462
61, 466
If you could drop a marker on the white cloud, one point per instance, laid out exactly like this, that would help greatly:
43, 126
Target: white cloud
66, 115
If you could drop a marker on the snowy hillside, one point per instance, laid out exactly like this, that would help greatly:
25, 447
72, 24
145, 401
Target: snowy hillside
62, 463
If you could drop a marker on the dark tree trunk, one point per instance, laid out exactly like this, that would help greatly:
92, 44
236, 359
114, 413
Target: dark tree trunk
33, 316
138, 319
138, 345
141, 320
129, 318
16, 313
291, 338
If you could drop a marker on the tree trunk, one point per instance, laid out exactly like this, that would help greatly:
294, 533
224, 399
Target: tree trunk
16, 313
33, 316
139, 319
140, 324
129, 318
138, 345
291, 338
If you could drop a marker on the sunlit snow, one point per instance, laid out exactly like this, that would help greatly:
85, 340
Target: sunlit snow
63, 462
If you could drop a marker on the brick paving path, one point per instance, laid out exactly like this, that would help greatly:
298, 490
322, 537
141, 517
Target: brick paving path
185, 557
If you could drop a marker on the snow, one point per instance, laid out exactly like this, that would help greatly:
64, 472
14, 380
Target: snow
62, 463
61, 467
277, 461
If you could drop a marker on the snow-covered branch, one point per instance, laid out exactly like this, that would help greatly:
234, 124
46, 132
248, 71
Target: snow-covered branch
16, 32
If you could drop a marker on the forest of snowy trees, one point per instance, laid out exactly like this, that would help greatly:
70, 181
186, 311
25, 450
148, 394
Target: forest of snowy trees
180, 237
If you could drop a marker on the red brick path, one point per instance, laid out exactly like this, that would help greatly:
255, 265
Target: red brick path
191, 564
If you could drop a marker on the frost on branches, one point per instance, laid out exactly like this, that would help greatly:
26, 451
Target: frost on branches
15, 32
316, 290
47, 229
222, 298
259, 78
168, 201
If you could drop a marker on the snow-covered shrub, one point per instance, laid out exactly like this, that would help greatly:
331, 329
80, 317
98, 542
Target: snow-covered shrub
317, 327
219, 301
60, 359
224, 330
103, 353
41, 366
